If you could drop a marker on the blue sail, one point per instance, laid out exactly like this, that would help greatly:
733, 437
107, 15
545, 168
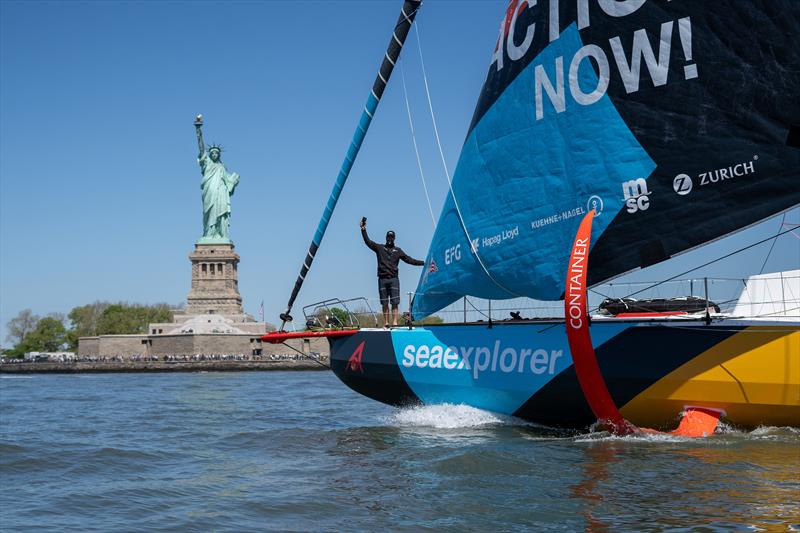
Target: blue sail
639, 113
522, 186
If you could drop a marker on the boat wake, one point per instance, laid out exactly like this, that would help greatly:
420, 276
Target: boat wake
450, 416
724, 434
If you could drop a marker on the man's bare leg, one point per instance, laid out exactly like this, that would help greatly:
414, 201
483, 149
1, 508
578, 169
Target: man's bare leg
394, 315
386, 315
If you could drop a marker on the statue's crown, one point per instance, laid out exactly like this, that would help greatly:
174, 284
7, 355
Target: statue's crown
216, 147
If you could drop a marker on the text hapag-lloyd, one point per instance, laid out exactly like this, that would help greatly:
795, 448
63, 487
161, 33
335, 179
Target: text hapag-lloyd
504, 235
481, 358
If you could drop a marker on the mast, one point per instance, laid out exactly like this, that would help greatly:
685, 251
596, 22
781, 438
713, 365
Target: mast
404, 21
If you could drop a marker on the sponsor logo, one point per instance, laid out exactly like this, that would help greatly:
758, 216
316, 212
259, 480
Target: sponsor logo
596, 203
727, 173
562, 216
452, 254
635, 195
354, 363
480, 359
682, 184
506, 234
576, 290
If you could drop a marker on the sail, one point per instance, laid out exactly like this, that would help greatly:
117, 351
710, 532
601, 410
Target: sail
677, 122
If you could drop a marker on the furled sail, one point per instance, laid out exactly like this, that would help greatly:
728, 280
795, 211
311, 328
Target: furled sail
678, 122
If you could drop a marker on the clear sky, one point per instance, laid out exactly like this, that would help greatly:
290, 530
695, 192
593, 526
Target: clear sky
99, 184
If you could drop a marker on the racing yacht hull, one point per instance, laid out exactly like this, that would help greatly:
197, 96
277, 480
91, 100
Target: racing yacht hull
654, 369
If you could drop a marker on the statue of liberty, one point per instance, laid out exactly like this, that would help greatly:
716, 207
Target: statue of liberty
217, 185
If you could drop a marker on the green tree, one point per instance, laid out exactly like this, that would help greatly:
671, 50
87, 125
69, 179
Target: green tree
84, 321
19, 326
340, 317
123, 318
429, 320
48, 336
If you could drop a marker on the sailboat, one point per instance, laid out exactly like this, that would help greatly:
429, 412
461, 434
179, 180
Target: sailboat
609, 136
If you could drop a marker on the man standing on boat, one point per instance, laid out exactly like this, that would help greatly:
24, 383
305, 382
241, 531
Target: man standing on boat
389, 257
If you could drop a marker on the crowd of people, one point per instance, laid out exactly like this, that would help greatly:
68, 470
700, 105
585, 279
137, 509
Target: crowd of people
172, 358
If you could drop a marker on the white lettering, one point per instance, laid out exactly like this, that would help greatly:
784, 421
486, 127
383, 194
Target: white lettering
539, 362
481, 366
658, 69
465, 353
556, 94
522, 355
517, 52
505, 365
452, 254
620, 8
436, 357
495, 359
497, 56
450, 358
596, 53
555, 354
422, 356
408, 356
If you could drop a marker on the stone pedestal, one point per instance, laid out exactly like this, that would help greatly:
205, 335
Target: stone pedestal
215, 281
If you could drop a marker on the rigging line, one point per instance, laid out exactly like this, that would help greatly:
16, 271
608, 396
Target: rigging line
475, 308
709, 263
417, 31
414, 141
320, 363
783, 220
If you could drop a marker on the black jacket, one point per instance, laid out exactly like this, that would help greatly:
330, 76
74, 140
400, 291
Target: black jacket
388, 257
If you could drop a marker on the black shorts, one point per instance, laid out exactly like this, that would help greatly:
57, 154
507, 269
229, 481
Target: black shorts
389, 289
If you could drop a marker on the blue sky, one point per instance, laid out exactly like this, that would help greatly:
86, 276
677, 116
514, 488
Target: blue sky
99, 186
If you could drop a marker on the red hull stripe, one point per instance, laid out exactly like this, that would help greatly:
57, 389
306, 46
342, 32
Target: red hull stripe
277, 337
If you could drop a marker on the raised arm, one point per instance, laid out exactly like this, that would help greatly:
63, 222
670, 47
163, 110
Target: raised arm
370, 244
198, 125
410, 260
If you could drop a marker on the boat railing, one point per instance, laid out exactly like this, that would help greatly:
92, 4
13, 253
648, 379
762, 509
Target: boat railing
775, 296
335, 313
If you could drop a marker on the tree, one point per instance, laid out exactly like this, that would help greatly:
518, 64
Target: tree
21, 325
333, 317
123, 318
429, 320
84, 321
48, 336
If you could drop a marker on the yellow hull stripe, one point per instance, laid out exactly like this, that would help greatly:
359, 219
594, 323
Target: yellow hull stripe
754, 376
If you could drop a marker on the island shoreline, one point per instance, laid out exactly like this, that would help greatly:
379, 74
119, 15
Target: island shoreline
159, 367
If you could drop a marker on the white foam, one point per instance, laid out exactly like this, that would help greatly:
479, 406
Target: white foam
771, 430
449, 416
635, 437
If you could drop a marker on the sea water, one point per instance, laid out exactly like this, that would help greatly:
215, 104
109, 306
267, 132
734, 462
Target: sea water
298, 451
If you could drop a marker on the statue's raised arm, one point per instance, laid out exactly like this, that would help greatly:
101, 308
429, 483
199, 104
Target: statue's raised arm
198, 125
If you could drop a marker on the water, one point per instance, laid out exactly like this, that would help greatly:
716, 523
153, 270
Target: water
298, 451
